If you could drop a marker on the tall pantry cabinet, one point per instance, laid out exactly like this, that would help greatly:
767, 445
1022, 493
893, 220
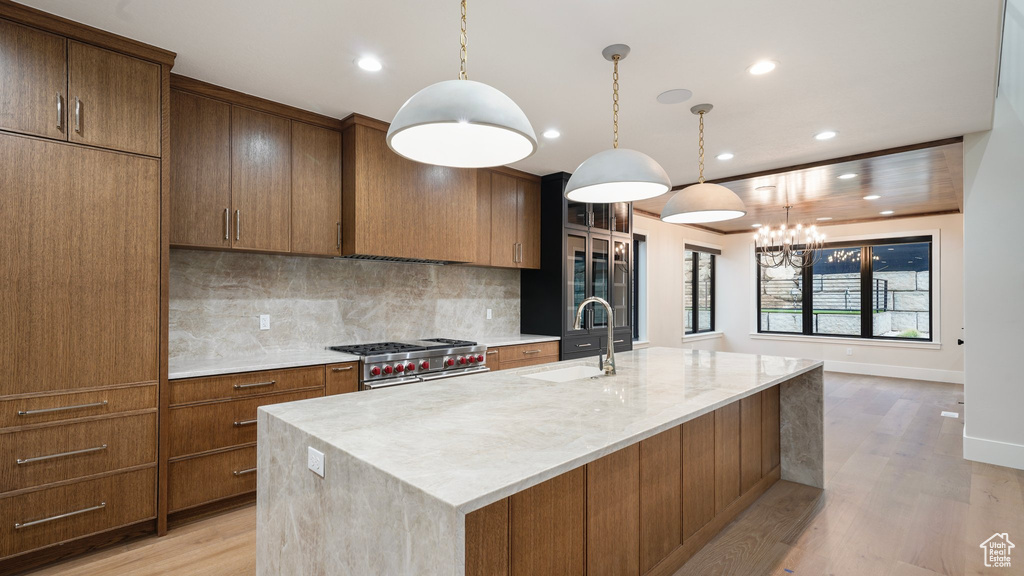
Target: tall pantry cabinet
83, 257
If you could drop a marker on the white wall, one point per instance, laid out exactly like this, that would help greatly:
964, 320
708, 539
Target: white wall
735, 304
994, 275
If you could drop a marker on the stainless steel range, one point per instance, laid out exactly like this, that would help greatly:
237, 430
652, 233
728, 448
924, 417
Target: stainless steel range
393, 363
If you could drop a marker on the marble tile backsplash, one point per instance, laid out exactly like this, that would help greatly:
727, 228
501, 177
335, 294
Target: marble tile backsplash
216, 299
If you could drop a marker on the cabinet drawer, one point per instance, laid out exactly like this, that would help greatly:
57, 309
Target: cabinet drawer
63, 513
196, 429
494, 357
342, 378
242, 385
67, 451
528, 351
208, 478
57, 407
581, 347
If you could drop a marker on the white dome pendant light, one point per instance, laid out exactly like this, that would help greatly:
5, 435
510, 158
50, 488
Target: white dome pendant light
703, 202
618, 174
462, 124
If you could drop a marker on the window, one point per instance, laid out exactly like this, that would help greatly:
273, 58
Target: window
871, 289
699, 289
639, 287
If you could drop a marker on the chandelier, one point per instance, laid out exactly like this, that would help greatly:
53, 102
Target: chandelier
788, 246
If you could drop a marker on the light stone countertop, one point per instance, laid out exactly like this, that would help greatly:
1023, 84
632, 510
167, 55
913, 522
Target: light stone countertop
195, 368
469, 441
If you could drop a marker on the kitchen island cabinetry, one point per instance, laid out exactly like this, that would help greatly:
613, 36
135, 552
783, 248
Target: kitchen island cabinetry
624, 474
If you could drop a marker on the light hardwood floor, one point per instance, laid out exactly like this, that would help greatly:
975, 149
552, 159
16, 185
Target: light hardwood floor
899, 501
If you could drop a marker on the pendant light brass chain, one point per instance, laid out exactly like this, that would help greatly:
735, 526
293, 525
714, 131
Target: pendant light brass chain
700, 144
463, 73
615, 100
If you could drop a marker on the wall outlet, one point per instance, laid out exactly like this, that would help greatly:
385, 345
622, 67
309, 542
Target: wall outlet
488, 313
315, 461
849, 351
264, 321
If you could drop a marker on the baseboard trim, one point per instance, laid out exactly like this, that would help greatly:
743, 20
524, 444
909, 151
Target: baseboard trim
994, 452
929, 374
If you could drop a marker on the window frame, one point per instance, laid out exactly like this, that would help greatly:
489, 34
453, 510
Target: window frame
639, 288
695, 292
866, 286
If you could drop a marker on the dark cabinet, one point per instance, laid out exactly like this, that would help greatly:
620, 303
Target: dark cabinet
595, 260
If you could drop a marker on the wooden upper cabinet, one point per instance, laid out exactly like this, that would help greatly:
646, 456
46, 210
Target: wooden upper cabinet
261, 180
392, 206
514, 221
33, 93
316, 190
113, 100
80, 230
200, 171
529, 224
483, 218
504, 220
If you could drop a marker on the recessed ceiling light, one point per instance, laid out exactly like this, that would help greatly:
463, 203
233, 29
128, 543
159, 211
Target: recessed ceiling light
887, 213
725, 156
847, 176
552, 133
675, 96
755, 225
872, 197
824, 218
826, 135
762, 67
369, 63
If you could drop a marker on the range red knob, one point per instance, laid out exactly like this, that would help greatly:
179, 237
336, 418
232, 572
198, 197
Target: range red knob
471, 359
480, 358
462, 359
449, 362
424, 365
410, 367
388, 370
375, 371
399, 367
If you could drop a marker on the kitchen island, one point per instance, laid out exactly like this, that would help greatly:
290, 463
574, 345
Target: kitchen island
502, 473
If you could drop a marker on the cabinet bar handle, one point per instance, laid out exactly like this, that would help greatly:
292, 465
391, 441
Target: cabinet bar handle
227, 225
238, 224
60, 113
584, 345
78, 115
20, 525
243, 472
514, 253
339, 234
619, 341
61, 455
531, 351
489, 352
60, 408
244, 423
255, 385
341, 368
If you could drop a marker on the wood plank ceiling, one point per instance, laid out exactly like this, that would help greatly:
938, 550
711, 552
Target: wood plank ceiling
910, 181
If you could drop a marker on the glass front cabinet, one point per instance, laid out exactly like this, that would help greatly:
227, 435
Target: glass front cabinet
595, 260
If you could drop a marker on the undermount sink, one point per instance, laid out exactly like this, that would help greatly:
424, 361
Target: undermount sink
566, 374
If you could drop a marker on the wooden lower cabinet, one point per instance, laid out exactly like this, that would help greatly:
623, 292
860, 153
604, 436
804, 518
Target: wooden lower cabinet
643, 510
547, 527
59, 514
613, 513
341, 378
661, 496
522, 355
203, 479
205, 427
242, 385
771, 450
55, 453
57, 407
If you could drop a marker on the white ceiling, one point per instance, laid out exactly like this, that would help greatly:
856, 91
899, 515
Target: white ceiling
882, 73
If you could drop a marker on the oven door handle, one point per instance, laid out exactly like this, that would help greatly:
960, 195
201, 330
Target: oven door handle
389, 383
444, 375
